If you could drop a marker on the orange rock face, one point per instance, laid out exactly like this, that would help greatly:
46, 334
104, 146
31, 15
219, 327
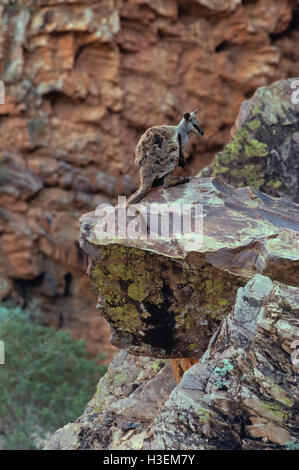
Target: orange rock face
83, 80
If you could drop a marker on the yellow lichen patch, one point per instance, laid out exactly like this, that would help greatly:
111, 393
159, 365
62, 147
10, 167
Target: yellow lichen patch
137, 291
125, 318
146, 293
239, 158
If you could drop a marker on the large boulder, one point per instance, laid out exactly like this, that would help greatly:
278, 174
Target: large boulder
263, 152
164, 297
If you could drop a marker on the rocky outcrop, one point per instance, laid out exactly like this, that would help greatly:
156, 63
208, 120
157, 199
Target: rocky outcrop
164, 295
235, 296
263, 152
127, 400
242, 394
82, 82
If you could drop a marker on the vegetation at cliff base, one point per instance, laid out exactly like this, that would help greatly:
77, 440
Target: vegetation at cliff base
46, 381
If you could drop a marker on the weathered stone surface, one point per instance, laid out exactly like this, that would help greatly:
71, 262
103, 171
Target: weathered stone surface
242, 394
102, 20
17, 182
127, 400
220, 5
264, 149
83, 79
164, 297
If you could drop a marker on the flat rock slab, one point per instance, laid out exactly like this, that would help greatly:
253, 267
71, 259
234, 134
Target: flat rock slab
164, 297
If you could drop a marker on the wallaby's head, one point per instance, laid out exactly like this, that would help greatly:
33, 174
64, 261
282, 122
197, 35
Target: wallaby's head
192, 124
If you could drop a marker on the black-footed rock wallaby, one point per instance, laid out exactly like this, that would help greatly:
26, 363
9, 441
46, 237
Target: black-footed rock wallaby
159, 150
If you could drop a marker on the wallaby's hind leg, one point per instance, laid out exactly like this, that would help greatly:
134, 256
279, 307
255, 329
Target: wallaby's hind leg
145, 184
170, 180
136, 197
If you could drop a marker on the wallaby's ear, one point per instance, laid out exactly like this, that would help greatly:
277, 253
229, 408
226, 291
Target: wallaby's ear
187, 116
193, 114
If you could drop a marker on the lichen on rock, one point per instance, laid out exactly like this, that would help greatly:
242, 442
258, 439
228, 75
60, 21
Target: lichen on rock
165, 297
241, 395
156, 301
264, 147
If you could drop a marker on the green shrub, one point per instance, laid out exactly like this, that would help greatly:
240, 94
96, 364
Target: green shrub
46, 381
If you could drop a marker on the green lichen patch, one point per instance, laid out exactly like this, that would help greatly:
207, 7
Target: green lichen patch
275, 411
222, 374
138, 290
205, 295
203, 414
158, 364
292, 445
122, 273
211, 290
261, 153
125, 278
222, 371
162, 302
240, 160
280, 395
126, 317
254, 124
271, 184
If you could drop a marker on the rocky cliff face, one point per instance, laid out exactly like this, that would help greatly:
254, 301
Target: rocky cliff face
231, 302
242, 394
82, 81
